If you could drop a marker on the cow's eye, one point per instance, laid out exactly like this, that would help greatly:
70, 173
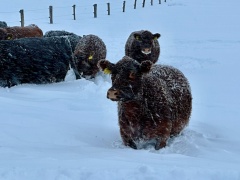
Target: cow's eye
138, 38
132, 75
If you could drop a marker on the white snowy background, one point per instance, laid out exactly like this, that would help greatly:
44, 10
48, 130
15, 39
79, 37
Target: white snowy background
69, 130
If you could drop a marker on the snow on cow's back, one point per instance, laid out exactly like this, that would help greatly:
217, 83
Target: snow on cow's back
175, 86
173, 77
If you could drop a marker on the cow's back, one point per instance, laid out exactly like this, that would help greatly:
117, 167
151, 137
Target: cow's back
166, 86
21, 32
73, 38
34, 60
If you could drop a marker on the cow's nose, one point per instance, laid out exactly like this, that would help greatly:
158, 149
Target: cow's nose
146, 50
112, 94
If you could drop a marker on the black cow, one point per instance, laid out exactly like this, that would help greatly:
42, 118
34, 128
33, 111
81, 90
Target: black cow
73, 38
34, 60
143, 45
3, 24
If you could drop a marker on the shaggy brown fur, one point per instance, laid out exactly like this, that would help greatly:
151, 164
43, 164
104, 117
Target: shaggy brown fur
143, 45
89, 50
154, 101
17, 32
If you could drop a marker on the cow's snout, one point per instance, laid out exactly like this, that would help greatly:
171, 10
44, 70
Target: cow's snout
113, 94
146, 50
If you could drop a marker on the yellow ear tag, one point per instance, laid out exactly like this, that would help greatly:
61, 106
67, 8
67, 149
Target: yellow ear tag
107, 71
9, 37
90, 57
137, 37
155, 38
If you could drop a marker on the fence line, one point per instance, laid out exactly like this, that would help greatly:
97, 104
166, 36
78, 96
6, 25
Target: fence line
74, 7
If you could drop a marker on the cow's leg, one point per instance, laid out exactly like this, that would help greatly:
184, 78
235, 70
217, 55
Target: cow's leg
130, 127
127, 139
163, 130
160, 131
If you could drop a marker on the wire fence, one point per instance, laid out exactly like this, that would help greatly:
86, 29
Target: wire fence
75, 11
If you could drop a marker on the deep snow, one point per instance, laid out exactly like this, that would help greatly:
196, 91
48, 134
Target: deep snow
69, 130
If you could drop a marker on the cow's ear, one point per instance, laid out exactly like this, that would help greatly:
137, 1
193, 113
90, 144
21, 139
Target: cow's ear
146, 66
9, 36
156, 36
105, 66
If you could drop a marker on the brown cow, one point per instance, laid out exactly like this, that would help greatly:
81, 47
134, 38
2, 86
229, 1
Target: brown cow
154, 101
89, 50
17, 32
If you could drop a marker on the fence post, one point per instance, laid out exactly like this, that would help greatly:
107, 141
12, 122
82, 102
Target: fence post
165, 0
51, 14
22, 17
108, 5
135, 4
74, 12
151, 2
159, 1
124, 3
143, 3
95, 10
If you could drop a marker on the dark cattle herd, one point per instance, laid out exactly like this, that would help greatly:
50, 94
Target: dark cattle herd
154, 100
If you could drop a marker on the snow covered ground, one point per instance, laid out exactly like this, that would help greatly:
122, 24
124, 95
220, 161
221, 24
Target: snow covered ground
69, 130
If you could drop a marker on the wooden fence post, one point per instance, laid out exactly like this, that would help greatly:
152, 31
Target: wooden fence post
165, 0
22, 17
151, 2
124, 3
135, 4
74, 12
108, 7
159, 1
143, 3
95, 10
51, 14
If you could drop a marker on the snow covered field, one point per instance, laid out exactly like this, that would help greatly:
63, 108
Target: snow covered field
69, 130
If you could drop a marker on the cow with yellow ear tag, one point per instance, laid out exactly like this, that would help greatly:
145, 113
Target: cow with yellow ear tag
154, 101
89, 50
143, 45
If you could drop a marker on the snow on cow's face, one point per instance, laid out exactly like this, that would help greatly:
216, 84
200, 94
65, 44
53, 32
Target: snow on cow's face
126, 78
145, 40
86, 64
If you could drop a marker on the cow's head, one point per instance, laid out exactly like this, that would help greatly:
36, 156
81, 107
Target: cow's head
144, 40
4, 35
87, 64
126, 77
